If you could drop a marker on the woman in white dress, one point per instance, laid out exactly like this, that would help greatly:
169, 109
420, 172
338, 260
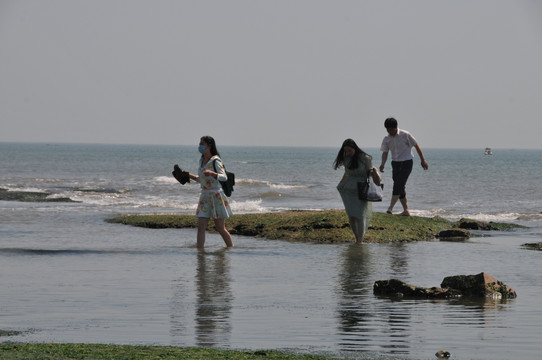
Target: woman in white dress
213, 203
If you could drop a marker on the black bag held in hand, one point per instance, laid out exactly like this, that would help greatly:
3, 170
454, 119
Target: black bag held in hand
181, 176
227, 185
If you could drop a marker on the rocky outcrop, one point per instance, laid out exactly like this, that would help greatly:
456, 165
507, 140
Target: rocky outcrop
31, 196
474, 224
397, 288
480, 285
453, 233
533, 246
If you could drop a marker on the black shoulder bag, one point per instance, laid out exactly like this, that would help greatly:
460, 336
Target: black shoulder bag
227, 185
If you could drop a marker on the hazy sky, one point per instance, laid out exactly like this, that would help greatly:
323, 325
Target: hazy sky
457, 74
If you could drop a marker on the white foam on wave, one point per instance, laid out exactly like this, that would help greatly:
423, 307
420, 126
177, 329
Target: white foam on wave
162, 202
275, 186
23, 189
165, 180
250, 182
287, 187
534, 217
496, 217
247, 206
430, 213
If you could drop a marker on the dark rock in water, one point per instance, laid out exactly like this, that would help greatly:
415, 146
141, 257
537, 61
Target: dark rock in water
454, 233
442, 354
397, 288
474, 224
479, 285
533, 246
30, 196
9, 332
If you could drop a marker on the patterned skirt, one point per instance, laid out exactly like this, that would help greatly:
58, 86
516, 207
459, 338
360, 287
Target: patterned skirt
213, 204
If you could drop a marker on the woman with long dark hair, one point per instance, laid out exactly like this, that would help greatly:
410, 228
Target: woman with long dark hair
213, 203
358, 166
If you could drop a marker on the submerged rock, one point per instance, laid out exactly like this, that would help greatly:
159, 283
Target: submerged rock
480, 285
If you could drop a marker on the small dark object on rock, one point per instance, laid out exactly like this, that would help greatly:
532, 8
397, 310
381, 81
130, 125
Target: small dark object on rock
181, 176
442, 354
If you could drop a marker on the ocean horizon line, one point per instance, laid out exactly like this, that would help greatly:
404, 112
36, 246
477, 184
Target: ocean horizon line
50, 143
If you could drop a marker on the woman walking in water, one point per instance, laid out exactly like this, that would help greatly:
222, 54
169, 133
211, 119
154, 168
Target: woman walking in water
358, 166
213, 203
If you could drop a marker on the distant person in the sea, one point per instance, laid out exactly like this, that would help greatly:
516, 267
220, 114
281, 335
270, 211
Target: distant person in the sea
358, 165
213, 203
400, 143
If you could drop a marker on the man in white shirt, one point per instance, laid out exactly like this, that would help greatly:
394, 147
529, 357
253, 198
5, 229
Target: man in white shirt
400, 143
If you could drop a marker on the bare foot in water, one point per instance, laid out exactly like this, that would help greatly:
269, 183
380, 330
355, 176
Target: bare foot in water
405, 213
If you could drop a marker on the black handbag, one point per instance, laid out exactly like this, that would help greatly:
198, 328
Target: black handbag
227, 185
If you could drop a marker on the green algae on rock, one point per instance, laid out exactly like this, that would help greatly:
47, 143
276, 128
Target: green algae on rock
481, 285
328, 226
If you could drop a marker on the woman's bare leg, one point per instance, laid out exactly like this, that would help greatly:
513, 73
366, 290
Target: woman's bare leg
202, 226
220, 226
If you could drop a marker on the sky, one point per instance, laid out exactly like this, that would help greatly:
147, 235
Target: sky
456, 74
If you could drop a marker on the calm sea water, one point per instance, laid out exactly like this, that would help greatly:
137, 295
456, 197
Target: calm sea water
67, 276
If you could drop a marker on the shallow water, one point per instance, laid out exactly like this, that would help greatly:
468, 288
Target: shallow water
109, 283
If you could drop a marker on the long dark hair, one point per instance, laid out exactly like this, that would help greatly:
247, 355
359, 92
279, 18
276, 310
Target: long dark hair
354, 162
212, 144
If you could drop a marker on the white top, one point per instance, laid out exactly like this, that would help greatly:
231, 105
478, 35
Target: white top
400, 145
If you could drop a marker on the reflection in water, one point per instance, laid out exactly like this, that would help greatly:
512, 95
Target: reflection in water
354, 280
212, 303
474, 312
362, 322
178, 313
398, 259
355, 285
399, 326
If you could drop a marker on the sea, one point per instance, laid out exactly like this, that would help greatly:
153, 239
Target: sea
67, 275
